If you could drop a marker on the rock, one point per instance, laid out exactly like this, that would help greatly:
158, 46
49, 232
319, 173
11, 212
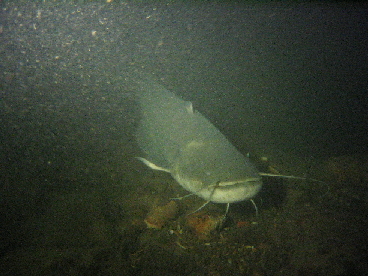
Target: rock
159, 215
203, 223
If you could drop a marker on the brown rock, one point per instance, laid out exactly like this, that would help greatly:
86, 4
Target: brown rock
203, 224
159, 215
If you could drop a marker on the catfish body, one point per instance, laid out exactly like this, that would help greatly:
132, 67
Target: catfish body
181, 141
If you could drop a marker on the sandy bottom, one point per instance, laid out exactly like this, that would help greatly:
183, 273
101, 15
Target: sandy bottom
303, 228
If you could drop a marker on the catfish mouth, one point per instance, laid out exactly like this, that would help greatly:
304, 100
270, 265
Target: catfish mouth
249, 186
228, 191
232, 192
234, 183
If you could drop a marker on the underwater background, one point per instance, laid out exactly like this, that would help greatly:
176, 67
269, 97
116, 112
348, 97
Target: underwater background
285, 82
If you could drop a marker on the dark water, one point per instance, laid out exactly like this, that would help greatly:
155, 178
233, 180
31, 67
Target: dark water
285, 81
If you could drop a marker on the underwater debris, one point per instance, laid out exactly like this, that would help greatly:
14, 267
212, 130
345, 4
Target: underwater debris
160, 215
203, 224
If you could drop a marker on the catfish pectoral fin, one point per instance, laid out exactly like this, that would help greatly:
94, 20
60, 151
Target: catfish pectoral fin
152, 165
